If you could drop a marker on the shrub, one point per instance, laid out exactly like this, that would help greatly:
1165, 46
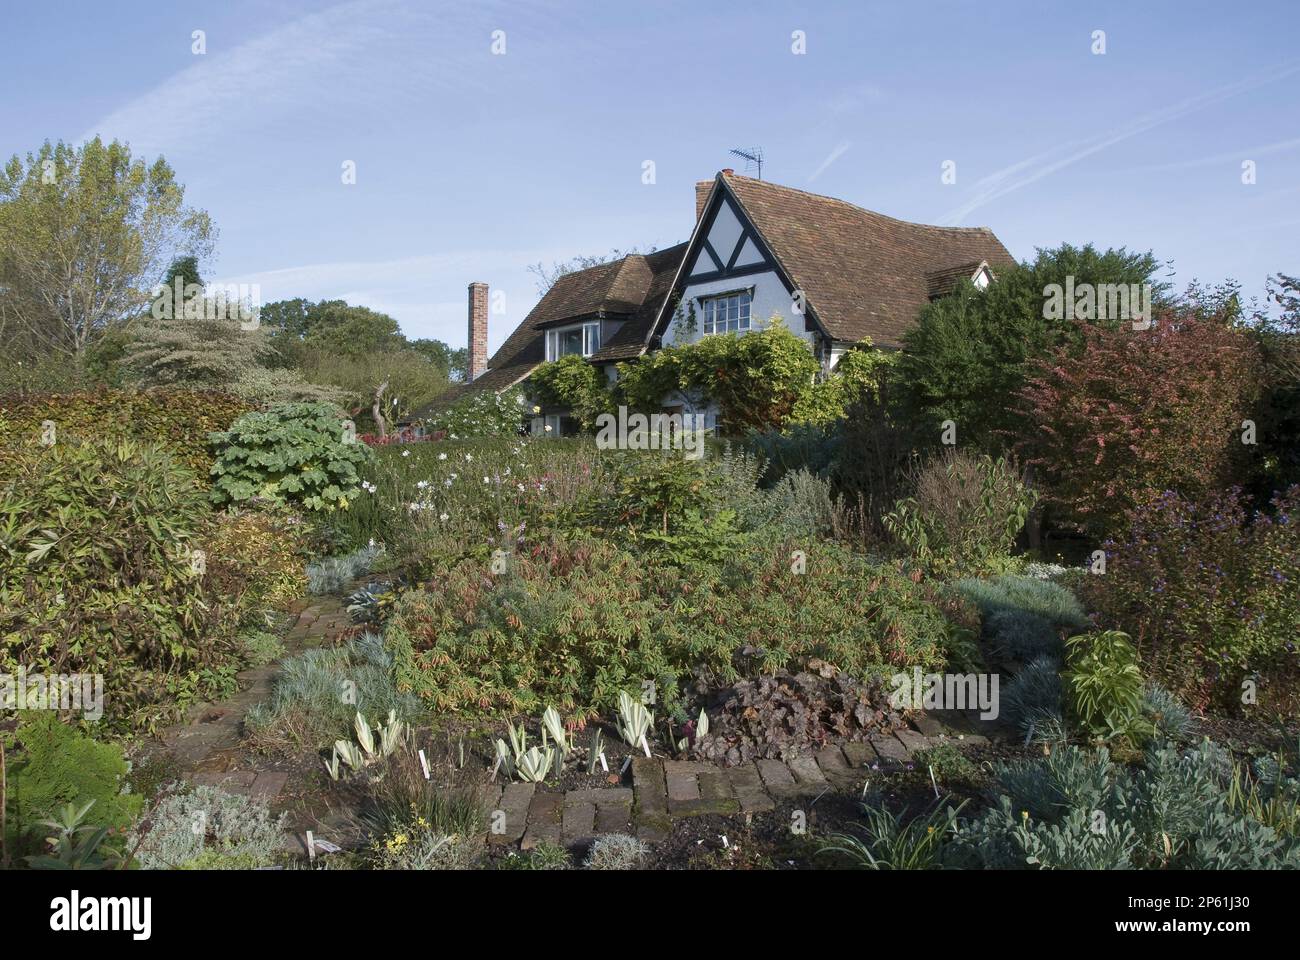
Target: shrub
1208, 594
1074, 809
296, 452
965, 515
254, 558
227, 824
180, 419
483, 414
574, 384
1022, 635
1049, 600
1032, 701
757, 379
56, 764
798, 505
97, 573
616, 851
1134, 413
968, 353
1103, 685
570, 624
1170, 718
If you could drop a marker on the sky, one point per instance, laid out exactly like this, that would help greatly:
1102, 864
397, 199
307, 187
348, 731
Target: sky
489, 136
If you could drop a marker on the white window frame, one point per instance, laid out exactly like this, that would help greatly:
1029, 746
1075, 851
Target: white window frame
744, 312
590, 339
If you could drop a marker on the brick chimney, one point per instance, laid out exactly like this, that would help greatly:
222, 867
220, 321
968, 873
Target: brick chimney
478, 320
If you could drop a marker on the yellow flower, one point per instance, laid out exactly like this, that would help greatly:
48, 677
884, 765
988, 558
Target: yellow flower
1024, 814
537, 409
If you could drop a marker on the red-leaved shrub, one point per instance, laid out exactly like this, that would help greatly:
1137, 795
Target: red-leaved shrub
1112, 423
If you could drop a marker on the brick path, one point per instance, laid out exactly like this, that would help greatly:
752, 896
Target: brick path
665, 790
206, 746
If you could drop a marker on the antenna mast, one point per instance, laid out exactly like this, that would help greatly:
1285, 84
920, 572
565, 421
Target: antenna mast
752, 156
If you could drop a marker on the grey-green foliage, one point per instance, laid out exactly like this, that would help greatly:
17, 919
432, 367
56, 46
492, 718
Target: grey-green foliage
324, 688
799, 504
433, 851
1171, 718
1022, 635
616, 851
1049, 600
331, 573
205, 819
1075, 809
1033, 697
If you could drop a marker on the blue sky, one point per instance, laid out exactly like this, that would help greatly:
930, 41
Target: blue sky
470, 165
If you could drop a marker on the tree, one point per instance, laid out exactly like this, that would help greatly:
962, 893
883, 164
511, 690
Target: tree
1133, 413
83, 232
967, 356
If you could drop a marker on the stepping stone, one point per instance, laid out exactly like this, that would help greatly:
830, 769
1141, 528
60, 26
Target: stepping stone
578, 821
269, 785
651, 799
614, 812
835, 767
514, 802
748, 787
912, 740
232, 781
929, 726
777, 778
544, 819
890, 749
808, 775
681, 788
859, 754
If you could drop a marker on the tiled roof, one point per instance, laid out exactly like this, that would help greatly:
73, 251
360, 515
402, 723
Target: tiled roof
942, 282
864, 274
633, 287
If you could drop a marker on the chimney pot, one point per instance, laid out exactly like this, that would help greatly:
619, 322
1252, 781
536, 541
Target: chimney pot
727, 171
478, 324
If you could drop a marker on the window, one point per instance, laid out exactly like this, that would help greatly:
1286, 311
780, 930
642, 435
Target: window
728, 313
583, 340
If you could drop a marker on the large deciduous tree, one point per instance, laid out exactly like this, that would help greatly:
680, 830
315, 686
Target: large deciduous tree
84, 234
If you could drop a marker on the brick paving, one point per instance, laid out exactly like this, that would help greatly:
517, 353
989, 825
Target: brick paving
665, 790
206, 746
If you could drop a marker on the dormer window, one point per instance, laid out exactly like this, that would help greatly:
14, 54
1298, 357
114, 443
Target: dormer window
582, 339
728, 313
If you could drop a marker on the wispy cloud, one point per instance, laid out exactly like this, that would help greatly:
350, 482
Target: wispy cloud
1246, 153
320, 63
1044, 164
831, 157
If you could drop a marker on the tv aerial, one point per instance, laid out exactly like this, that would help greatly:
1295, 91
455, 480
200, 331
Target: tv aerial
752, 157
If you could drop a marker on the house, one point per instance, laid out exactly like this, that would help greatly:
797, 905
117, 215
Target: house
834, 273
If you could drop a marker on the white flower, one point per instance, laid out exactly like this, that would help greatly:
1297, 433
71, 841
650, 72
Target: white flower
406, 453
469, 458
421, 484
442, 456
520, 486
442, 517
548, 428
486, 480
